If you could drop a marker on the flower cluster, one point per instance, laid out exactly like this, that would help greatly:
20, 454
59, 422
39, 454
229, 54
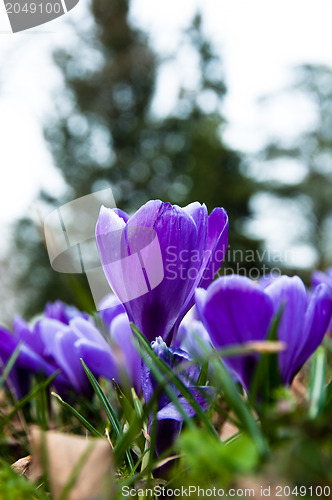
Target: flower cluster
159, 263
59, 339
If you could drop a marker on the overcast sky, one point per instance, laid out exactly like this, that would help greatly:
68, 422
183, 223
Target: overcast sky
260, 43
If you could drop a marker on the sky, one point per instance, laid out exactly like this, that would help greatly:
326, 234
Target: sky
260, 42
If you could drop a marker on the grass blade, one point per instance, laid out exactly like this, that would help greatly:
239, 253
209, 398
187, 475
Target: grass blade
41, 386
104, 401
9, 365
317, 389
108, 409
78, 416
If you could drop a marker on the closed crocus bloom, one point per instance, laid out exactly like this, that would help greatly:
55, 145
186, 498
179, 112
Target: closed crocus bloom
30, 335
57, 341
28, 362
155, 259
236, 310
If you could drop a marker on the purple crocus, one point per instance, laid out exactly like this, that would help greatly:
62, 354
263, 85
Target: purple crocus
57, 341
169, 418
155, 259
65, 345
63, 312
236, 310
27, 363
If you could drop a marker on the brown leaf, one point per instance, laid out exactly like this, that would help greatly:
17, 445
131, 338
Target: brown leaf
228, 430
22, 466
86, 463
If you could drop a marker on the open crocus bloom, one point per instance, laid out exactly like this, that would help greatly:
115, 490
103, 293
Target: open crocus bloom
235, 310
155, 259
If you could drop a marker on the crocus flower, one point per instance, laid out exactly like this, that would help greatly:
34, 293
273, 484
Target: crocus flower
57, 341
65, 345
27, 363
168, 416
319, 277
235, 310
63, 312
156, 258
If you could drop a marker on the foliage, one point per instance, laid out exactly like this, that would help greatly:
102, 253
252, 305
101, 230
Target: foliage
13, 487
298, 440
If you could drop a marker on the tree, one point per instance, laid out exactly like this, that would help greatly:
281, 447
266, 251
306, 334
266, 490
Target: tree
313, 150
104, 135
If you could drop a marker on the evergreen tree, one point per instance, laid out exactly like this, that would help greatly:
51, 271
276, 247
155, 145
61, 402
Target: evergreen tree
104, 135
313, 150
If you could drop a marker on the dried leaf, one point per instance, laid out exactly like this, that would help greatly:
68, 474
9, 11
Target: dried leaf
81, 466
228, 430
22, 466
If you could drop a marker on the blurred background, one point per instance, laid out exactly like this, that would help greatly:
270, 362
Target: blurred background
227, 103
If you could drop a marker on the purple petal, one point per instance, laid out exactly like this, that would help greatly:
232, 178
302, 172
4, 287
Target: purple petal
188, 335
217, 243
29, 337
110, 238
129, 360
130, 253
167, 432
289, 294
62, 312
98, 359
109, 308
86, 330
235, 310
215, 247
59, 341
318, 277
156, 312
124, 216
27, 358
203, 396
316, 323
